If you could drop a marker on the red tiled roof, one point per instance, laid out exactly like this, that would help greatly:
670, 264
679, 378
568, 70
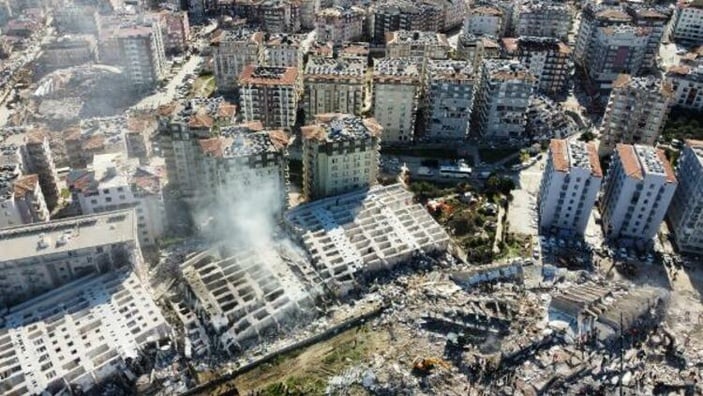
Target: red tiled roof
628, 158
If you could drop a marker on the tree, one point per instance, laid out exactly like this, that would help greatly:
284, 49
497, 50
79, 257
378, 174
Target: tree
499, 184
587, 136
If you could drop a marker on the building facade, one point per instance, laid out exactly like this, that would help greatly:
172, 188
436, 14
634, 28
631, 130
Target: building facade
339, 24
283, 50
569, 187
270, 95
396, 95
142, 54
426, 45
340, 154
334, 86
546, 58
449, 99
686, 210
636, 113
391, 15
636, 194
234, 50
687, 22
484, 21
542, 19
502, 99
40, 161
21, 198
686, 82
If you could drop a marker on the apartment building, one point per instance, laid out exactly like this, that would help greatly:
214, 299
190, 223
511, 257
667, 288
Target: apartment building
627, 36
637, 191
139, 133
142, 55
308, 10
77, 19
181, 126
477, 48
546, 58
449, 99
569, 187
391, 15
175, 30
542, 19
502, 99
687, 22
245, 158
113, 182
484, 20
686, 81
425, 45
79, 335
334, 85
234, 50
67, 51
686, 209
340, 24
283, 50
39, 160
21, 198
340, 154
636, 113
270, 95
396, 93
280, 16
34, 258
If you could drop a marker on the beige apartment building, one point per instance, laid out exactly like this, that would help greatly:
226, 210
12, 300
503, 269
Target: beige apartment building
396, 93
334, 85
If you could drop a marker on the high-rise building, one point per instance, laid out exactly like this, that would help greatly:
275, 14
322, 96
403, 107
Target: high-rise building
542, 19
283, 50
334, 85
35, 256
234, 50
270, 95
340, 154
637, 111
477, 48
686, 81
142, 55
637, 191
502, 99
426, 45
112, 183
21, 197
339, 24
617, 49
686, 210
391, 15
396, 94
569, 187
175, 30
308, 11
280, 16
484, 20
40, 161
449, 99
687, 22
546, 58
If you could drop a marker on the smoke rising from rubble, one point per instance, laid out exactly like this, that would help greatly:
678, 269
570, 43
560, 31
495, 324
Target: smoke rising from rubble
243, 215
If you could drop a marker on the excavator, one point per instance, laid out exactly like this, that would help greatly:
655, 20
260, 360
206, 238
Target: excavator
423, 366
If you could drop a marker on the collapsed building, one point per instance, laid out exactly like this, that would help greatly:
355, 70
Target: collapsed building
77, 335
244, 296
364, 231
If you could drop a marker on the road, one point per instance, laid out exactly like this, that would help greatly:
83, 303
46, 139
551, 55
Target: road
168, 95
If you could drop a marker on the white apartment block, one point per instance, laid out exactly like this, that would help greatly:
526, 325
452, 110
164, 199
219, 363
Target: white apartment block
334, 85
542, 19
484, 21
686, 209
242, 160
687, 22
77, 335
687, 84
636, 113
619, 49
21, 197
339, 24
426, 45
340, 154
569, 188
113, 183
40, 257
396, 95
449, 99
503, 98
283, 50
270, 95
142, 54
235, 49
637, 191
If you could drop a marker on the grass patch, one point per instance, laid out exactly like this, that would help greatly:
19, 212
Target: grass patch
494, 155
203, 86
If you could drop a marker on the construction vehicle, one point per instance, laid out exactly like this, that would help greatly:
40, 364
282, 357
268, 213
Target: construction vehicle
423, 366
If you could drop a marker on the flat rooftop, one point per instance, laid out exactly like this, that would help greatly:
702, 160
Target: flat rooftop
79, 331
638, 161
401, 69
364, 231
450, 70
506, 70
266, 75
416, 37
336, 127
339, 68
233, 142
62, 236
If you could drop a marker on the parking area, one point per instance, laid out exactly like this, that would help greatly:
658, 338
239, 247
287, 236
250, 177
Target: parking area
523, 208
